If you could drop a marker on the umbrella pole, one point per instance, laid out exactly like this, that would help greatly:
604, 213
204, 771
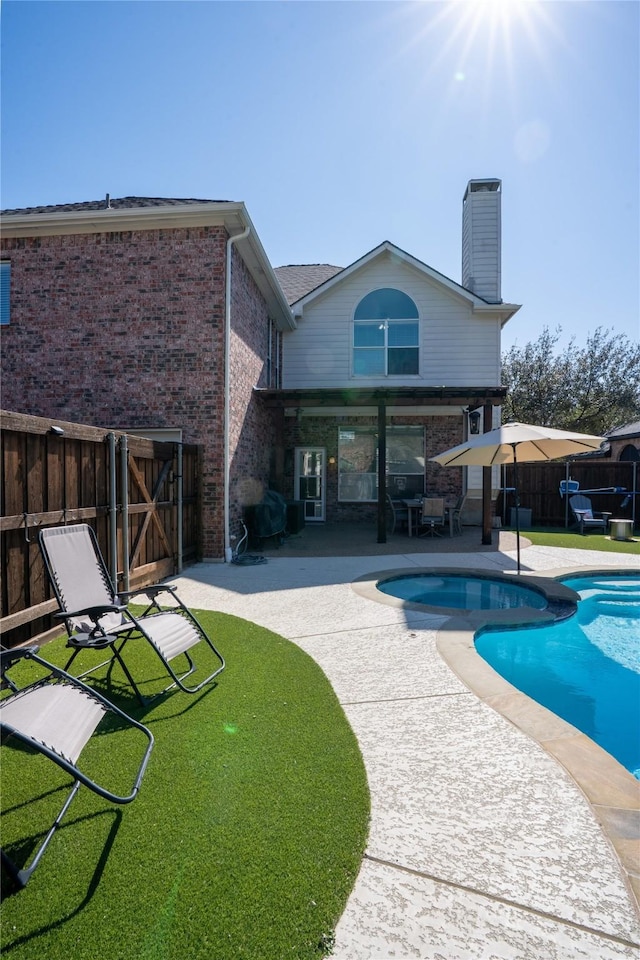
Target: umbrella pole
517, 496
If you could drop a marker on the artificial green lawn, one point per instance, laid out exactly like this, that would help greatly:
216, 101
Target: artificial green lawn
560, 537
245, 839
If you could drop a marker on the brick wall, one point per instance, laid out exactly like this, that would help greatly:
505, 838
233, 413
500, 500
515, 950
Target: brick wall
252, 437
126, 330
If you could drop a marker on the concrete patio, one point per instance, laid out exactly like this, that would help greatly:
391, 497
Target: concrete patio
481, 845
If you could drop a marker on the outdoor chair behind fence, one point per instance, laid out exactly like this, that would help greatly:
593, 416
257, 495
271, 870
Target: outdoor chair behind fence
97, 618
585, 516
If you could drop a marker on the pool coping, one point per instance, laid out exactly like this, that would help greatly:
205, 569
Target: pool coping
611, 791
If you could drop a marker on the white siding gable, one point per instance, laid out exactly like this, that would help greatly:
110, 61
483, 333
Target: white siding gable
457, 348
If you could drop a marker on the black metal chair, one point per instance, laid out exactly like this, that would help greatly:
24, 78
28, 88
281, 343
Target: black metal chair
97, 618
397, 514
56, 715
456, 516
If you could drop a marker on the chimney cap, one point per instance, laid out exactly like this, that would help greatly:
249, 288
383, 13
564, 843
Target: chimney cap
489, 185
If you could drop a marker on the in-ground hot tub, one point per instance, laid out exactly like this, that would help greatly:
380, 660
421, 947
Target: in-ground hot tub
483, 596
462, 591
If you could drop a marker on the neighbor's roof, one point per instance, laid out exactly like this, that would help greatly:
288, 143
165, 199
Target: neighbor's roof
297, 280
107, 203
628, 430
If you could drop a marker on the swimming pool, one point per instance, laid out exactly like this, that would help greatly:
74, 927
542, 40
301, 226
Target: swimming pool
585, 669
462, 592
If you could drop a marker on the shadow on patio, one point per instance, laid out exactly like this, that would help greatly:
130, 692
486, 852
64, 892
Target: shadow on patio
360, 540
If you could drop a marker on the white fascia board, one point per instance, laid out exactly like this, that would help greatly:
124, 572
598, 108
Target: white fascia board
232, 215
387, 247
503, 311
254, 255
109, 220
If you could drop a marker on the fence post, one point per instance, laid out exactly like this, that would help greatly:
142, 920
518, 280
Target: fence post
179, 506
113, 510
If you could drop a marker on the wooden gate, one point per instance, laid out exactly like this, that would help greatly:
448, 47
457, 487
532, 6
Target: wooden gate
140, 496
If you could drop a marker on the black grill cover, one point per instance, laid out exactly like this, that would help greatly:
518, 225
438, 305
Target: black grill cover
269, 517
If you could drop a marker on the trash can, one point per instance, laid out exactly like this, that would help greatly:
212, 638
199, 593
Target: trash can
295, 516
621, 529
525, 517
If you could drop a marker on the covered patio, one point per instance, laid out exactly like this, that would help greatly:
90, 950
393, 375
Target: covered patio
359, 540
379, 405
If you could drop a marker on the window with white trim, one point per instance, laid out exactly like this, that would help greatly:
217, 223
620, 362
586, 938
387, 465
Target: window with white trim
5, 291
386, 330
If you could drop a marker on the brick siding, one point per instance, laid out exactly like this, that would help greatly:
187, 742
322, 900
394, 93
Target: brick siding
126, 330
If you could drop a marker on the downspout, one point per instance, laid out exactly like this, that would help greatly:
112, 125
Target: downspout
228, 553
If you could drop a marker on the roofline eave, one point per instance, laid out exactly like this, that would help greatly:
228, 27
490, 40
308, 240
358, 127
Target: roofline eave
230, 214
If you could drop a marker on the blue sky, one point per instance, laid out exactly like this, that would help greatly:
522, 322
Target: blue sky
342, 124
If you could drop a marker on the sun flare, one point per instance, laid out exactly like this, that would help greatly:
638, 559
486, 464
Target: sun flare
483, 42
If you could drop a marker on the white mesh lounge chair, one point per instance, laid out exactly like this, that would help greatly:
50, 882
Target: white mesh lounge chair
56, 715
97, 618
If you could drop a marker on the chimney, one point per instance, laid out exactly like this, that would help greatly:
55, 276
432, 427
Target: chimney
482, 239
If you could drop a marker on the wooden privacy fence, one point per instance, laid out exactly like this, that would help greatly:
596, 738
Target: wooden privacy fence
539, 485
140, 496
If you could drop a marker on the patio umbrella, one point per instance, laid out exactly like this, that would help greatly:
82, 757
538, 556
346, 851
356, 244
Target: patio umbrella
517, 443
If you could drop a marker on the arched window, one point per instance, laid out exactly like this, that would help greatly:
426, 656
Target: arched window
386, 335
630, 453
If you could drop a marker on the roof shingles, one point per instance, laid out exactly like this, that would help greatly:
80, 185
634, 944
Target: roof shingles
108, 203
297, 280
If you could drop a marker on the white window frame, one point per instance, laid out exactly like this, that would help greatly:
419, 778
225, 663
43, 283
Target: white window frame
385, 325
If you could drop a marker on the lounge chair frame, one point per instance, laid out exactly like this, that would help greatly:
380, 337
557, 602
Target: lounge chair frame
67, 712
98, 618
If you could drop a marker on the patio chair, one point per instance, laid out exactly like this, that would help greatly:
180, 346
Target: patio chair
432, 517
97, 618
56, 715
456, 518
585, 516
397, 514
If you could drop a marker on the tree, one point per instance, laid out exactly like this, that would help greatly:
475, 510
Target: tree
591, 389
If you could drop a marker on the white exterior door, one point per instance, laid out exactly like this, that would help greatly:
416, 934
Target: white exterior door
310, 466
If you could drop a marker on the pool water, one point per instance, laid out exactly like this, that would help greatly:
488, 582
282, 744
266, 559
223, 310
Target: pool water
585, 669
461, 592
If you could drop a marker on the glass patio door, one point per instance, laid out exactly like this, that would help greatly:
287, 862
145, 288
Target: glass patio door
309, 479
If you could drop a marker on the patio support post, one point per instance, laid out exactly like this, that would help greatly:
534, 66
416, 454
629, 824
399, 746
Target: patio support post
487, 422
382, 471
515, 483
